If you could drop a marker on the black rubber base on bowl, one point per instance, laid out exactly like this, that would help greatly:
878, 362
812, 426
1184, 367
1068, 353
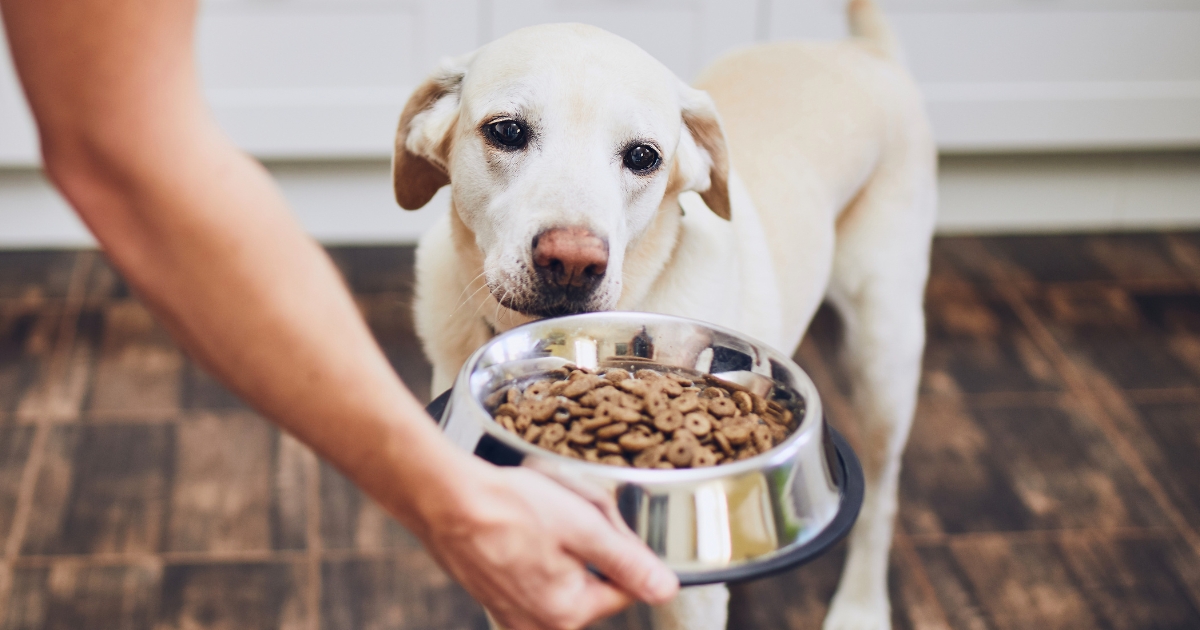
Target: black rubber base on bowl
852, 498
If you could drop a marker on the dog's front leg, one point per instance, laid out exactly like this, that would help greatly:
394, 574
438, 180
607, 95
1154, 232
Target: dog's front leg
695, 608
884, 340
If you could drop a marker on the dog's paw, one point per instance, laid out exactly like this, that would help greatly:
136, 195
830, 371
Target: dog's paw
846, 615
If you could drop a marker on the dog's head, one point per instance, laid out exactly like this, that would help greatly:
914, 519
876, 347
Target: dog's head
561, 143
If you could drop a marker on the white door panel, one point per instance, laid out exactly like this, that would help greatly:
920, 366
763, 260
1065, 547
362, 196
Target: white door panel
302, 79
684, 35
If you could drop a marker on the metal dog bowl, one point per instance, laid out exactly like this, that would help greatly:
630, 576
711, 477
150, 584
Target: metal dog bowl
725, 523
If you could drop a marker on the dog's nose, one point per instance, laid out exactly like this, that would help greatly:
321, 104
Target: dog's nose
570, 257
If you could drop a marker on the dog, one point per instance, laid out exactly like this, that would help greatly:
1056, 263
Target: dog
585, 176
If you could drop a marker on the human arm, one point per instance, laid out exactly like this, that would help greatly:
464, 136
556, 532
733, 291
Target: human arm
204, 237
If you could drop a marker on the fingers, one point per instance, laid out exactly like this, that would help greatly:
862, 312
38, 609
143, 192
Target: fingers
623, 559
604, 600
597, 601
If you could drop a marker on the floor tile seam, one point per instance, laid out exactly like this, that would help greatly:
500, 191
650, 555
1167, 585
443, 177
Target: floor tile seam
1093, 407
1149, 396
164, 417
56, 370
1049, 535
124, 417
165, 558
995, 400
173, 558
989, 287
38, 302
314, 545
1182, 285
1016, 400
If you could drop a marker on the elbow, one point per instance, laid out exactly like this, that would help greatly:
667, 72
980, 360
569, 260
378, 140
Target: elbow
84, 169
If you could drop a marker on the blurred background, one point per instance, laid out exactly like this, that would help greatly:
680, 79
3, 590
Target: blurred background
1051, 477
1052, 114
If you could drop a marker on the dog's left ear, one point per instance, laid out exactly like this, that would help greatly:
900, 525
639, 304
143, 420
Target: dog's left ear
702, 157
420, 162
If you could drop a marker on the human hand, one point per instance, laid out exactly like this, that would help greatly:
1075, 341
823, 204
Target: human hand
520, 543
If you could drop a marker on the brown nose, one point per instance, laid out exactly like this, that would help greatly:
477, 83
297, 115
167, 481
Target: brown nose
570, 257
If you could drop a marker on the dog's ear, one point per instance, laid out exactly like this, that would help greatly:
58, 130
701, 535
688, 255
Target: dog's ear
703, 158
420, 162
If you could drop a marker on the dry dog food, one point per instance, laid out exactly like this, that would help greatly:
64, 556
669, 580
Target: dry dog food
648, 418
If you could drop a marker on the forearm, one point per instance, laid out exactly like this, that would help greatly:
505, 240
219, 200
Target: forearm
205, 238
258, 303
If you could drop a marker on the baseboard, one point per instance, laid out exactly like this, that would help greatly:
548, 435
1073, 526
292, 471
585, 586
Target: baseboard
1069, 192
351, 202
338, 202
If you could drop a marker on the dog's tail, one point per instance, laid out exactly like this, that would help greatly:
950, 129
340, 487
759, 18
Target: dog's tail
868, 23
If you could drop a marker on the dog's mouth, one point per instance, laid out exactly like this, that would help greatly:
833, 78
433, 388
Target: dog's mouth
549, 301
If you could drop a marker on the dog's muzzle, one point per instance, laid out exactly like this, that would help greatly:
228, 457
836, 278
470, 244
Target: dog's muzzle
570, 263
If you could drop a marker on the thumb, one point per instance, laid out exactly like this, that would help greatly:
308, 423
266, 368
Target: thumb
623, 559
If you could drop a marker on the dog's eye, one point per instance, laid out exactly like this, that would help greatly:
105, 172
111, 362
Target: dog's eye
508, 133
641, 158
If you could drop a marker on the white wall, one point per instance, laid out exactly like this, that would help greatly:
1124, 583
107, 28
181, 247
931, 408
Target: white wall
323, 81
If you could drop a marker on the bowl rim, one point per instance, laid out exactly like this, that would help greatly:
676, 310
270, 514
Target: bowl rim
811, 425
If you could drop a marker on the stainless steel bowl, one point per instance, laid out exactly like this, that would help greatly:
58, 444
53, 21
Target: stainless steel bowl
719, 524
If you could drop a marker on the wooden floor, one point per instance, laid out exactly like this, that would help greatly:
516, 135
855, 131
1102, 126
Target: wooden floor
1052, 480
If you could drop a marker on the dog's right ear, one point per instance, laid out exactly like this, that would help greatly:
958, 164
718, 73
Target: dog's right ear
420, 162
703, 155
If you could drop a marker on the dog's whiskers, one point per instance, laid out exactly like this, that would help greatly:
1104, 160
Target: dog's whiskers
471, 282
469, 297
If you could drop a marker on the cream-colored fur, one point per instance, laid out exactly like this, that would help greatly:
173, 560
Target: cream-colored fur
835, 199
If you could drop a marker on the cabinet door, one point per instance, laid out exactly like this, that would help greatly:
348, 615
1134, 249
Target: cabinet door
1039, 74
325, 79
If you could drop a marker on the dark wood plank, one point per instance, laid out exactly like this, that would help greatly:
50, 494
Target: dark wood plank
245, 596
351, 520
376, 269
72, 596
1174, 429
104, 283
102, 489
35, 273
15, 443
28, 331
390, 319
238, 485
1015, 469
1184, 250
199, 390
994, 582
1120, 259
976, 344
401, 593
1049, 258
1137, 258
799, 599
1135, 339
137, 367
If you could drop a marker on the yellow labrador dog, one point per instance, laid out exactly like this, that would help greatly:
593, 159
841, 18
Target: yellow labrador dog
585, 176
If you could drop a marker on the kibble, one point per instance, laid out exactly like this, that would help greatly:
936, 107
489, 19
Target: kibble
646, 419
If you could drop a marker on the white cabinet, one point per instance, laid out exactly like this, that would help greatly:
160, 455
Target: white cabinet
1040, 74
325, 79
